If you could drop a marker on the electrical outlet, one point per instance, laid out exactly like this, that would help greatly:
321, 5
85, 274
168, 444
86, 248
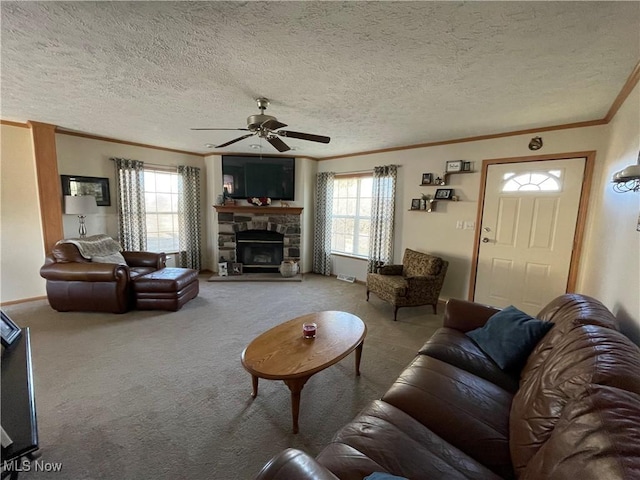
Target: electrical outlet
469, 225
459, 224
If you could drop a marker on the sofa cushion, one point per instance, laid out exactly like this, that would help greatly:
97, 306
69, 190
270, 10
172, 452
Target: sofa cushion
385, 439
585, 355
388, 287
417, 264
455, 348
466, 411
509, 336
596, 437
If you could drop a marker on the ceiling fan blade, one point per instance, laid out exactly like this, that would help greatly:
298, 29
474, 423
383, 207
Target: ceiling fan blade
235, 140
278, 144
245, 129
272, 125
304, 136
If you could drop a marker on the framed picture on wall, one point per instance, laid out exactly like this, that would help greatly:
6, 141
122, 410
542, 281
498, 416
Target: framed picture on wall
427, 179
95, 186
415, 204
444, 194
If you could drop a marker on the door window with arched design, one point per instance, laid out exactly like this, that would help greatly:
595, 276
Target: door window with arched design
539, 181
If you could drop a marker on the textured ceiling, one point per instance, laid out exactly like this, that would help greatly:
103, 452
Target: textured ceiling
370, 75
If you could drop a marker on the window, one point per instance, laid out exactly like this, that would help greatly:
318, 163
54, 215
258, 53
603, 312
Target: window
161, 205
351, 216
533, 181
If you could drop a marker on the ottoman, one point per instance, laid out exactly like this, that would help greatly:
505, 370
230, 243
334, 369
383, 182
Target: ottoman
166, 289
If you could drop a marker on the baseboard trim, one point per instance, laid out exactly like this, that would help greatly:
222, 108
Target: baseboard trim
22, 300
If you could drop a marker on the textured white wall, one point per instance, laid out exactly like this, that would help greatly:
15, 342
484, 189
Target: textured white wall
436, 232
22, 242
611, 261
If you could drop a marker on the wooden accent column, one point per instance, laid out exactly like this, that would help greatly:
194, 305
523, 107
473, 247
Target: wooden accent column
43, 136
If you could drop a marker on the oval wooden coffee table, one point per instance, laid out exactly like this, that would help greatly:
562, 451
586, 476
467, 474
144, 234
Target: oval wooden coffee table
283, 354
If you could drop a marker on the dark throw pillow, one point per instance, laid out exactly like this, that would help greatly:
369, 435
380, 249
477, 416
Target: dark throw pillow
509, 336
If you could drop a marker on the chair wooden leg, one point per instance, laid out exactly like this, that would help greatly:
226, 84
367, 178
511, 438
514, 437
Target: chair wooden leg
395, 314
435, 308
367, 294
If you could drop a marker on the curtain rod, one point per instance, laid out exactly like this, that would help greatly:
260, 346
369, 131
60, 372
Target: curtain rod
355, 172
156, 166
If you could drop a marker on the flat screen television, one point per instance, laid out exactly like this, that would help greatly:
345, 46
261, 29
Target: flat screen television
259, 176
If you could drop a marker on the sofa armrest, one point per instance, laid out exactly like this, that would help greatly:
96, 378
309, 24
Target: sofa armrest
293, 464
390, 270
145, 259
466, 316
84, 272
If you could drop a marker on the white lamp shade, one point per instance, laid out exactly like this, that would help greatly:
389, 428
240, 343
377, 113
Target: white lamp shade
80, 205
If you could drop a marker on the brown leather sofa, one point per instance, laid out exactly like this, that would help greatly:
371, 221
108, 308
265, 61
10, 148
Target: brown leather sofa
77, 284
573, 413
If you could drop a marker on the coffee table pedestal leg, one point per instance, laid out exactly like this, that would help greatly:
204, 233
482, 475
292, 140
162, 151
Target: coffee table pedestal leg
295, 385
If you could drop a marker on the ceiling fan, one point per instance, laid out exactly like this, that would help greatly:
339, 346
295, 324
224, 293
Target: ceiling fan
268, 127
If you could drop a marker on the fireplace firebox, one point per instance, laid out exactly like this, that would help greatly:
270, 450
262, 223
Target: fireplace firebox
259, 250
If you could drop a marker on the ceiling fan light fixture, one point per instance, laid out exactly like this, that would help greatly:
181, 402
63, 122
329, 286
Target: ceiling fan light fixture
255, 146
209, 145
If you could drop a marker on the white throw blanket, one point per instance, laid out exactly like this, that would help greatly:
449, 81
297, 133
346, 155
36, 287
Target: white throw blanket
100, 245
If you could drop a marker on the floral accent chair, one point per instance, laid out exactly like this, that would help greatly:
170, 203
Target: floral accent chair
416, 282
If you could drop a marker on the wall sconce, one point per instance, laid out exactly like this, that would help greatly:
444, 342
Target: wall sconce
80, 205
535, 143
627, 179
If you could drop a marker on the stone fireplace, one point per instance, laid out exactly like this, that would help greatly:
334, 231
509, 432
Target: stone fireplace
258, 237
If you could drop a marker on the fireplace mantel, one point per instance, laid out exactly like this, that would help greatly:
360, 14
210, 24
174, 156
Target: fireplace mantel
256, 209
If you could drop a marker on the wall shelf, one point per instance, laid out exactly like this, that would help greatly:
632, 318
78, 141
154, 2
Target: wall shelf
445, 179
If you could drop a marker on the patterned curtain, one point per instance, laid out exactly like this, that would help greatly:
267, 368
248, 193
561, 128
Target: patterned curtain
382, 216
323, 220
189, 212
131, 212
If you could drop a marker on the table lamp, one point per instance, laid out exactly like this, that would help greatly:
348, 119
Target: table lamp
80, 205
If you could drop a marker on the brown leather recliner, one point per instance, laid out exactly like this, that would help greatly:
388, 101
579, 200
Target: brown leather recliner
77, 284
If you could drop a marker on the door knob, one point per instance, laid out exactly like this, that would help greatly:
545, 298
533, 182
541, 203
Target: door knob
485, 240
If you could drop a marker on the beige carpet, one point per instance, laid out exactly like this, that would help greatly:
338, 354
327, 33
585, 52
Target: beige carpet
162, 395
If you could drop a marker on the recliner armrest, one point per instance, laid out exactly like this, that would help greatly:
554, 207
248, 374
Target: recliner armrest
145, 259
466, 316
84, 272
293, 464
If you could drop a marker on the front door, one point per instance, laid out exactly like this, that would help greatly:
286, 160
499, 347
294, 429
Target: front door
527, 232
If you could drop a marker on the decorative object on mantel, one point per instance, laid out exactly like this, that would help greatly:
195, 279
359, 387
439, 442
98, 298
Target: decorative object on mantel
289, 268
259, 201
285, 204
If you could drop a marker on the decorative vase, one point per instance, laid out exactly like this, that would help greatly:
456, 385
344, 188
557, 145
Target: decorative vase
288, 268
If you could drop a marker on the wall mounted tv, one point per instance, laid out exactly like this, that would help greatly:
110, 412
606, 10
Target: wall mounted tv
259, 176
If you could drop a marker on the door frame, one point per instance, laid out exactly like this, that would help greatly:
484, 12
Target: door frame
578, 238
